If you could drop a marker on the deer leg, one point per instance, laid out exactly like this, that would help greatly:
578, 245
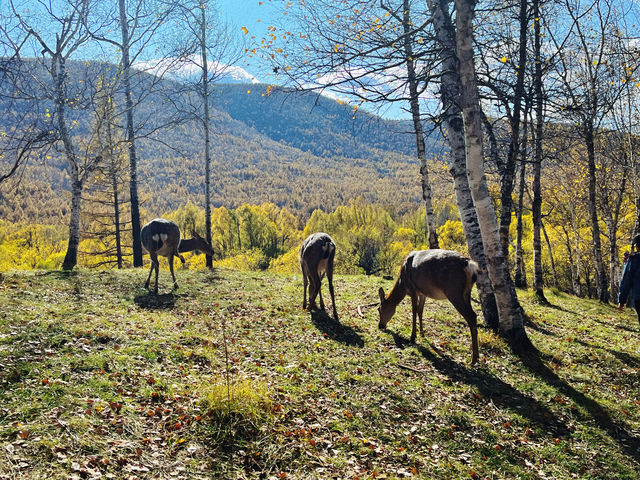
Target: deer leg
157, 266
464, 308
320, 291
305, 282
421, 299
173, 275
313, 290
414, 311
331, 292
146, 284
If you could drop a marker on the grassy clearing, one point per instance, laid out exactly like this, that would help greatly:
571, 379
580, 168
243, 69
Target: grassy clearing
99, 379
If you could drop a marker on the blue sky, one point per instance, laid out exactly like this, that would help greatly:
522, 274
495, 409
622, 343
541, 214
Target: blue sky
255, 16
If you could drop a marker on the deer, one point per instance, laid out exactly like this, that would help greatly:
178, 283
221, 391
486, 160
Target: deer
161, 237
316, 260
437, 274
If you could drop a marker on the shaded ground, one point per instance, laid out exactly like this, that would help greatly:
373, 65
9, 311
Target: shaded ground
100, 379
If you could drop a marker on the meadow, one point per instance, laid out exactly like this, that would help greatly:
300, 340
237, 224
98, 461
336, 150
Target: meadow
227, 377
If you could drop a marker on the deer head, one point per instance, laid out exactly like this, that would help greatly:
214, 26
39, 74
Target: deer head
386, 310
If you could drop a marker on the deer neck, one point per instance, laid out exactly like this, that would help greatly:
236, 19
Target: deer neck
397, 292
189, 245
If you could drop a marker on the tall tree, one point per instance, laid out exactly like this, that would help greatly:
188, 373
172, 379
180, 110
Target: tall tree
450, 93
592, 68
536, 206
509, 309
211, 49
140, 22
408, 40
58, 30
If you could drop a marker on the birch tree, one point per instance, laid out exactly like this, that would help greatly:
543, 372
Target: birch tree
57, 31
450, 94
210, 49
509, 310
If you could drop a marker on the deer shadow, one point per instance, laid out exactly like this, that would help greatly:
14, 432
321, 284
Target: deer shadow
492, 389
151, 301
335, 330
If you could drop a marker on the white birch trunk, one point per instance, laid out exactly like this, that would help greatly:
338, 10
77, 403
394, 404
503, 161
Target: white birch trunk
509, 311
452, 118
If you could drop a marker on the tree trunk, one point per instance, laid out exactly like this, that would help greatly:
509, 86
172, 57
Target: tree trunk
574, 286
521, 271
600, 274
506, 203
550, 252
509, 309
71, 257
116, 217
452, 118
206, 125
536, 204
574, 227
59, 72
130, 136
414, 102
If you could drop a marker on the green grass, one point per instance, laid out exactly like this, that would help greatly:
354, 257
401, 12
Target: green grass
100, 379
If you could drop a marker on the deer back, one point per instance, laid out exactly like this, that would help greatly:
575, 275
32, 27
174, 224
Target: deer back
317, 251
438, 274
160, 236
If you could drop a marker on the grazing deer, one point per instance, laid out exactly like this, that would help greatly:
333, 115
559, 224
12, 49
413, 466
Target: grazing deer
162, 237
437, 274
316, 259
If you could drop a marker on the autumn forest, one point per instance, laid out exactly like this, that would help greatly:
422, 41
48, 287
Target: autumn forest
506, 131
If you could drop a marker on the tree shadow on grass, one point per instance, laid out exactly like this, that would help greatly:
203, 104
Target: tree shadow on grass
57, 273
335, 330
629, 360
151, 301
492, 389
535, 326
629, 443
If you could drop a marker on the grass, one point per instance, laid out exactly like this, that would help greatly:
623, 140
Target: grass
100, 379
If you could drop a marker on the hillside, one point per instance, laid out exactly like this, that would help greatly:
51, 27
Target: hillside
293, 149
99, 379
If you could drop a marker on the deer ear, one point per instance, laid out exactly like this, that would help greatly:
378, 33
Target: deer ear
381, 294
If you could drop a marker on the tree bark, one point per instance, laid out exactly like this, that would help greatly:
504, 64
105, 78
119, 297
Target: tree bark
452, 119
506, 203
71, 257
60, 78
550, 252
206, 124
520, 279
130, 136
600, 274
536, 204
509, 310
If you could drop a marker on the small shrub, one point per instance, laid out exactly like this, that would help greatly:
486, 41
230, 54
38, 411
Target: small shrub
237, 410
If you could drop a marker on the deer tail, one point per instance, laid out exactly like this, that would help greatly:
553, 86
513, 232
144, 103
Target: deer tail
472, 269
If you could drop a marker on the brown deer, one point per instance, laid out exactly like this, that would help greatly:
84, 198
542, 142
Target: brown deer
316, 259
162, 237
437, 274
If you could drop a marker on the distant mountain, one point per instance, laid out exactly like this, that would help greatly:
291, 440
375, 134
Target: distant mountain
294, 149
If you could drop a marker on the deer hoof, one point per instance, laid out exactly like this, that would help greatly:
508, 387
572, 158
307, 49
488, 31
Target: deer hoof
175, 286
